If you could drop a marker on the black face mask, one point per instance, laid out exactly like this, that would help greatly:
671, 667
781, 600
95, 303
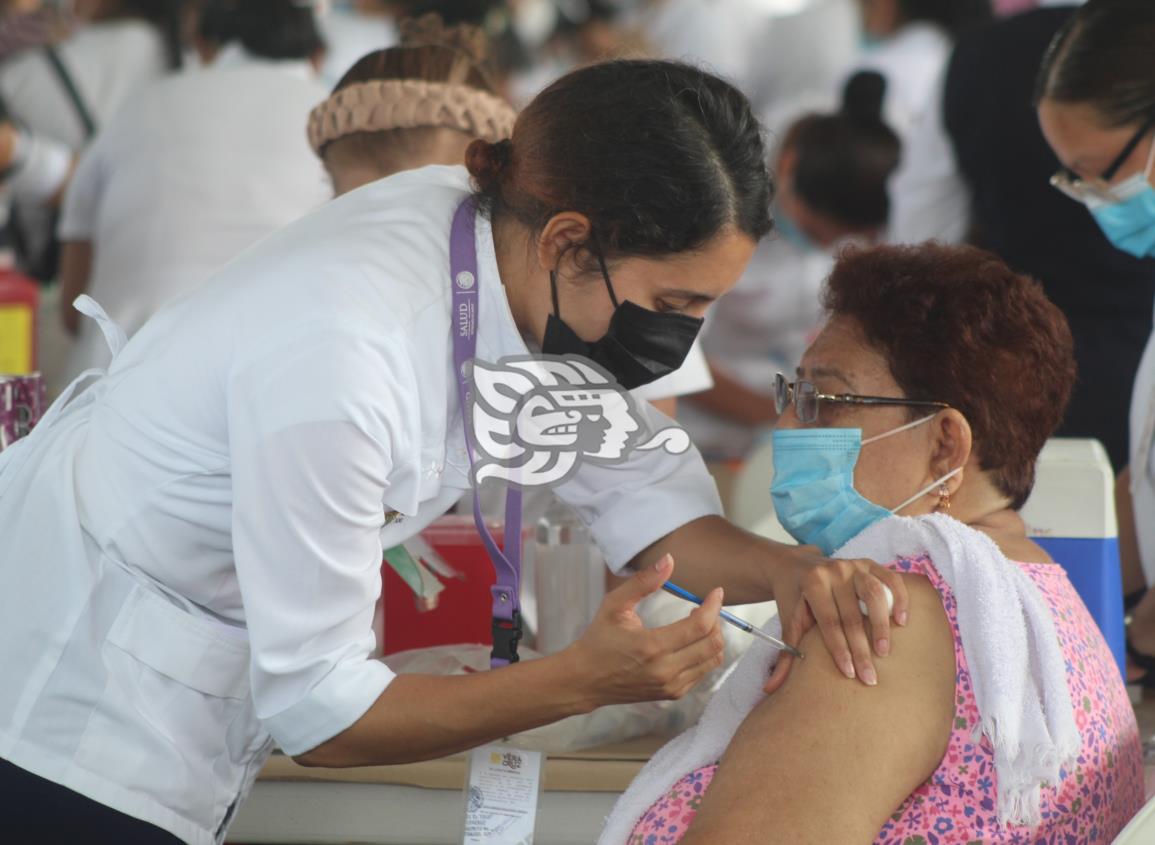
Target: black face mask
640, 346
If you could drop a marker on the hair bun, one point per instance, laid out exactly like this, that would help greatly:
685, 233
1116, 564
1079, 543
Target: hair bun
863, 96
430, 31
487, 162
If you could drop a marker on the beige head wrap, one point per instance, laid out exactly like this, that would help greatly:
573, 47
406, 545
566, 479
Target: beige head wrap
383, 104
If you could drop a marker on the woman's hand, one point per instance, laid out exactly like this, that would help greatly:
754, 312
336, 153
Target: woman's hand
815, 590
621, 661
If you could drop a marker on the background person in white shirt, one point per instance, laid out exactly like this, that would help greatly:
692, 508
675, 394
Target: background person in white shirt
909, 42
383, 117
193, 170
64, 93
196, 540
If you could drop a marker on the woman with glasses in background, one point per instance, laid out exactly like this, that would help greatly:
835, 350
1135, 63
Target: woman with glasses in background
1096, 107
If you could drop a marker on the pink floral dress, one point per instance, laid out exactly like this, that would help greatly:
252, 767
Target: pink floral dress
958, 804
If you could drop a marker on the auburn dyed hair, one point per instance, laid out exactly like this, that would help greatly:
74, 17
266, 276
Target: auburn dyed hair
957, 325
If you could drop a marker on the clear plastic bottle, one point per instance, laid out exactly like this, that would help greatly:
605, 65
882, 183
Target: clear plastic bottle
569, 577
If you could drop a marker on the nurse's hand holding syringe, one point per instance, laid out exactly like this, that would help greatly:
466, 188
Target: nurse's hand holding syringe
618, 660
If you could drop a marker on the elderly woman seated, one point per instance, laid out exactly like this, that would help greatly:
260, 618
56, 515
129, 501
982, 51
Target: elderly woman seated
998, 715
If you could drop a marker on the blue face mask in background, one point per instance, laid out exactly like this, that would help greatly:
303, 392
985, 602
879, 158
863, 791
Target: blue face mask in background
813, 488
1129, 222
789, 230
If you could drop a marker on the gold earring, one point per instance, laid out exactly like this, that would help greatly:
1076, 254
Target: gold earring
943, 498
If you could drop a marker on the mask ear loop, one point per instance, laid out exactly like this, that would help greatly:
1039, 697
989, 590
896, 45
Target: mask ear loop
553, 293
898, 430
1150, 161
602, 263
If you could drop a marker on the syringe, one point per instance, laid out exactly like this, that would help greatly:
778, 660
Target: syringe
740, 624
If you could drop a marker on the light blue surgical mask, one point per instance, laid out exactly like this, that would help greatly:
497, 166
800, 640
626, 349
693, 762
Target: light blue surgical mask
813, 488
789, 230
1129, 220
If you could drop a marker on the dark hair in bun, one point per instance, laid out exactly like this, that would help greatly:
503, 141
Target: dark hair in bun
487, 162
659, 155
843, 160
862, 98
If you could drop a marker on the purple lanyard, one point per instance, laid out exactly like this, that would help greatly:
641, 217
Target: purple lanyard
507, 564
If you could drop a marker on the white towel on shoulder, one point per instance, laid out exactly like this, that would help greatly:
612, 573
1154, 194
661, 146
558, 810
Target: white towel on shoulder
1017, 669
1018, 672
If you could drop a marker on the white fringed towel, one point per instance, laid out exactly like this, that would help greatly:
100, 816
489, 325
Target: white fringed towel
1017, 671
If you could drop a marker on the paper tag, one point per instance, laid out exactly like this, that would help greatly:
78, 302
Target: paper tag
501, 796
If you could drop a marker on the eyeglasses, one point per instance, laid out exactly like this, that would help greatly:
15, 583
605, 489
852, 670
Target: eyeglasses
807, 399
1081, 190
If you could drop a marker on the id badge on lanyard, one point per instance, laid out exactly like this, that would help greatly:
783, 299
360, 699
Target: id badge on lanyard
506, 606
501, 795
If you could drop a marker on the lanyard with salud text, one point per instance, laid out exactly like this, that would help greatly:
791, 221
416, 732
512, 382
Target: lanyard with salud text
506, 564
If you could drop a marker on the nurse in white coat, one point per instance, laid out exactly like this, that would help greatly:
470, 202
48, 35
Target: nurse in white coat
192, 545
193, 169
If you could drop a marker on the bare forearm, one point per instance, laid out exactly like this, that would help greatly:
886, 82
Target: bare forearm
712, 552
1133, 577
422, 717
75, 270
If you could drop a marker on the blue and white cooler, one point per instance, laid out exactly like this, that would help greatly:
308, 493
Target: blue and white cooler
1071, 514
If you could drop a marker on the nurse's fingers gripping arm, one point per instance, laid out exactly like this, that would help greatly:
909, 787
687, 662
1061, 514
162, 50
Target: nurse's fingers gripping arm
713, 552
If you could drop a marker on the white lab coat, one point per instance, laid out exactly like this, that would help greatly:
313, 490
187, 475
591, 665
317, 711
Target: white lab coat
109, 61
930, 199
193, 170
193, 547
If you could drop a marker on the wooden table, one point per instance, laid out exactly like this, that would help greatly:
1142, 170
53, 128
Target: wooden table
423, 803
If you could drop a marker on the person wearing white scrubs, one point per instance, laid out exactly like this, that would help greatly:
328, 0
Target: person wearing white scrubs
352, 29
193, 543
832, 171
388, 111
66, 92
193, 170
803, 55
909, 42
720, 35
1096, 107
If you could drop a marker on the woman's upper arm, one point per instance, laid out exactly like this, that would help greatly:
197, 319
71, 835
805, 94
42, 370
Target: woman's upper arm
828, 760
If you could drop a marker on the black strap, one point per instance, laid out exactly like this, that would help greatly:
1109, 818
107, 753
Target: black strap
69, 84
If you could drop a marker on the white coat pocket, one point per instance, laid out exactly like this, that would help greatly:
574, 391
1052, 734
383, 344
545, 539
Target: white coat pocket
184, 681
